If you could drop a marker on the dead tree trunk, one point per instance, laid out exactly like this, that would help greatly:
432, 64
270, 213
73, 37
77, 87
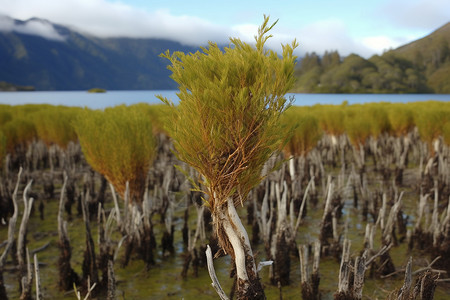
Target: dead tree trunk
67, 276
348, 289
310, 280
90, 271
11, 231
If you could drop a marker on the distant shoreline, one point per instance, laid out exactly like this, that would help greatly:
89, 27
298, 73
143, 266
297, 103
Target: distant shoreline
9, 87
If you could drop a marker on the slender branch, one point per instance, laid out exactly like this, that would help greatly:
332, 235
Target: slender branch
212, 274
38, 279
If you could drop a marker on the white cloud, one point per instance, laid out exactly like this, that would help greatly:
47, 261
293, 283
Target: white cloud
424, 15
246, 32
331, 35
380, 43
31, 27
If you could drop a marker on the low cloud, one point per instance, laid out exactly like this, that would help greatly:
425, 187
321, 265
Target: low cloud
380, 43
31, 27
331, 35
114, 19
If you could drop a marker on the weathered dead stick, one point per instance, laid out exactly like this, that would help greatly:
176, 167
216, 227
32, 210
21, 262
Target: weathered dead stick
27, 279
42, 248
212, 273
37, 279
427, 268
21, 239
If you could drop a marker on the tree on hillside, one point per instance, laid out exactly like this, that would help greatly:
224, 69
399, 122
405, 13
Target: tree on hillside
227, 126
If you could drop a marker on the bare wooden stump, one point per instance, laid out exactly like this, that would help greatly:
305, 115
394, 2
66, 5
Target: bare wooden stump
310, 280
89, 267
67, 276
11, 232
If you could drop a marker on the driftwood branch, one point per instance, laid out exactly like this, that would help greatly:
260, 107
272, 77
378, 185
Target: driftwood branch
42, 248
212, 273
427, 268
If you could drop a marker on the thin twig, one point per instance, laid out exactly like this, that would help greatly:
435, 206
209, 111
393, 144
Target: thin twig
212, 274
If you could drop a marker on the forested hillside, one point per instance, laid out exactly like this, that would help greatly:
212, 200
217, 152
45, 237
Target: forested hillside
422, 66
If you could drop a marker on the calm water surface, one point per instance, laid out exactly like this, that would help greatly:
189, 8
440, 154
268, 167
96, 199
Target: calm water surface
113, 98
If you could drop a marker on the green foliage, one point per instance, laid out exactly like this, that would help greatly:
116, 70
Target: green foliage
227, 123
2, 147
439, 81
306, 132
401, 118
5, 114
54, 125
118, 143
157, 115
430, 119
357, 126
331, 118
18, 132
446, 133
378, 118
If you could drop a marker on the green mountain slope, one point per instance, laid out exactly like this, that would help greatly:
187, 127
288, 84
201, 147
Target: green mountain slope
422, 66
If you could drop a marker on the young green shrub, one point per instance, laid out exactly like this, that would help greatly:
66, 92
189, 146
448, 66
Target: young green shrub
227, 122
430, 120
306, 132
357, 125
54, 125
378, 118
401, 118
119, 144
446, 133
332, 119
157, 113
19, 132
2, 147
226, 126
5, 114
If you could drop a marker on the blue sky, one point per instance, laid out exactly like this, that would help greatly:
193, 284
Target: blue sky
350, 26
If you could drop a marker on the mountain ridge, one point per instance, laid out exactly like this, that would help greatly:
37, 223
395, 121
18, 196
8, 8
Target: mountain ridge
49, 56
75, 61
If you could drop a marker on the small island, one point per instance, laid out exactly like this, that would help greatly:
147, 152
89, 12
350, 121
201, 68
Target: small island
96, 90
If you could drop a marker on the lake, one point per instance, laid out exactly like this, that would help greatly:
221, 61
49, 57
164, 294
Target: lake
113, 98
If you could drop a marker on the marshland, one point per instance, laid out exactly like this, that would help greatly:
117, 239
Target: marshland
232, 186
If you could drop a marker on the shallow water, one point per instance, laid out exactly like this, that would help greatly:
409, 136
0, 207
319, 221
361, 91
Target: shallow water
163, 281
113, 98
